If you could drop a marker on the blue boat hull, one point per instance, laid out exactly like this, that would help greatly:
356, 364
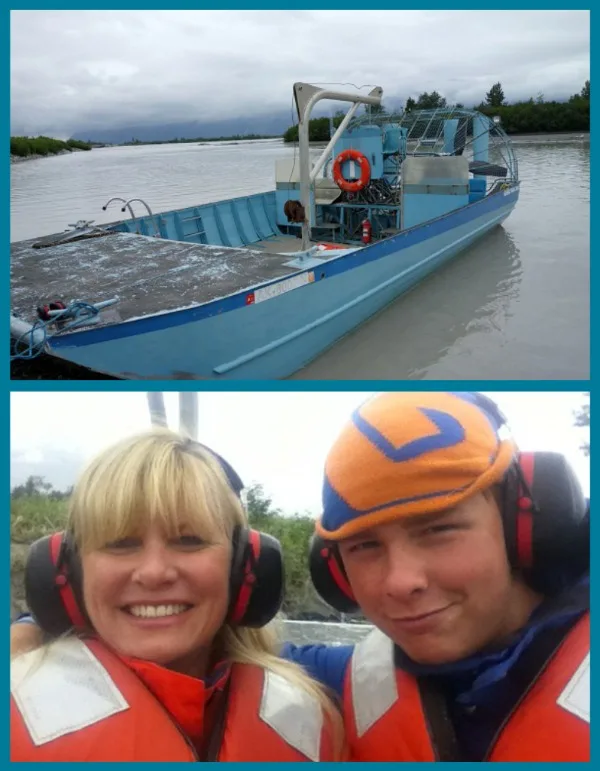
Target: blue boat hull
237, 338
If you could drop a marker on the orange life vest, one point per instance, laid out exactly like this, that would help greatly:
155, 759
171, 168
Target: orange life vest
385, 719
78, 701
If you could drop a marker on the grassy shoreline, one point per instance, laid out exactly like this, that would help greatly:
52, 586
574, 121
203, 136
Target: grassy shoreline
32, 517
24, 147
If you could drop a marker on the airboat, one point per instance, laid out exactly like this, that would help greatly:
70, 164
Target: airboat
258, 286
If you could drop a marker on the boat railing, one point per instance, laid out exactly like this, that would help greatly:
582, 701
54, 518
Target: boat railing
150, 214
117, 198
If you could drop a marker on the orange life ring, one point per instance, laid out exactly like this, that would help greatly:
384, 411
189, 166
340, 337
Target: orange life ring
365, 171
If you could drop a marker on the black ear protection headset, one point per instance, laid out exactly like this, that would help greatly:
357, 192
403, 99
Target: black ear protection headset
53, 575
545, 517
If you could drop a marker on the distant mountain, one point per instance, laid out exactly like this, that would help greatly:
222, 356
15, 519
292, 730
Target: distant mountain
274, 125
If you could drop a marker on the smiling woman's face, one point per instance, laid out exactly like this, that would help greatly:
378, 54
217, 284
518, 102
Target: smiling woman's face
159, 598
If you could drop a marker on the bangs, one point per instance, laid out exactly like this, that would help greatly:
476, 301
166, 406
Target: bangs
157, 478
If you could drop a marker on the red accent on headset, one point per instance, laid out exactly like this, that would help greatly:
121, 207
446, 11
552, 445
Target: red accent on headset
338, 576
55, 544
245, 592
525, 513
67, 595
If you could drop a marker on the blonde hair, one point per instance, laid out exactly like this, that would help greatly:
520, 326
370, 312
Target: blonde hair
160, 476
157, 477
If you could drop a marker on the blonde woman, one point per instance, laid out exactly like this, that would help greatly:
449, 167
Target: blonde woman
154, 604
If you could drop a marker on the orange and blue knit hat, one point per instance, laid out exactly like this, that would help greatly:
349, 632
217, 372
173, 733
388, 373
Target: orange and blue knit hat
404, 454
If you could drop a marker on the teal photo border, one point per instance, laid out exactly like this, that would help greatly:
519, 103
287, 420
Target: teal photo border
344, 385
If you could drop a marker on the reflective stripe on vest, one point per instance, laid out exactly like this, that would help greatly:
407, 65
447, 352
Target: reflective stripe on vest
62, 688
576, 696
292, 713
373, 679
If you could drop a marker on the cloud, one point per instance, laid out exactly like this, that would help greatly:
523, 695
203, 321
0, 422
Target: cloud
58, 467
71, 69
280, 438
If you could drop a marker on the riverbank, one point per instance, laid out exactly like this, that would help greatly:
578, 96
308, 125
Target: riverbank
40, 147
554, 137
567, 136
36, 156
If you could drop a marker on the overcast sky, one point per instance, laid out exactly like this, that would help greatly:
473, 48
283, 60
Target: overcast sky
100, 69
279, 439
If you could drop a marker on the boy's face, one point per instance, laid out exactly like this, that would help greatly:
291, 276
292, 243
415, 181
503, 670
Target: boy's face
440, 586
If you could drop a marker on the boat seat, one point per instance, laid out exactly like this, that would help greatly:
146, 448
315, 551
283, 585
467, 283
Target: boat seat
324, 230
326, 191
330, 227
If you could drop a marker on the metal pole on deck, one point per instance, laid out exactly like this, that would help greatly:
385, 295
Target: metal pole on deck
188, 414
306, 96
156, 405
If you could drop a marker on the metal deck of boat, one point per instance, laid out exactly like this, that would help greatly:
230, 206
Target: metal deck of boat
149, 275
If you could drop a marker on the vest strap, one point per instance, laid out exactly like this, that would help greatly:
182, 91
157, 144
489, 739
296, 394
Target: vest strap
444, 741
211, 754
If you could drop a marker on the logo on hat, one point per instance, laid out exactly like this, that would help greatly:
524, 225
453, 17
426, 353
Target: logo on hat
450, 432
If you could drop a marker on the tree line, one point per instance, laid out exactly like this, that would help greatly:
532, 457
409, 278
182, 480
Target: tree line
24, 146
535, 115
183, 140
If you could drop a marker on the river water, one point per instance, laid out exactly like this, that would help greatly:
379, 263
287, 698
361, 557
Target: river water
514, 306
314, 632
